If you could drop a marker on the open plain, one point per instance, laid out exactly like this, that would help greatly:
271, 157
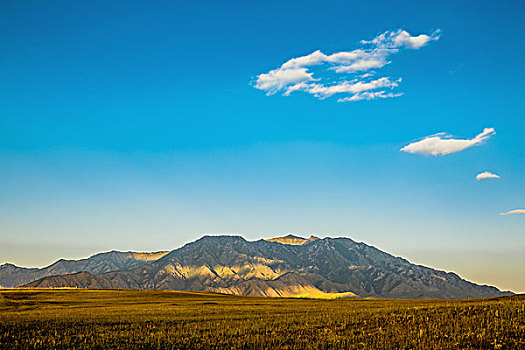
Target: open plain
146, 319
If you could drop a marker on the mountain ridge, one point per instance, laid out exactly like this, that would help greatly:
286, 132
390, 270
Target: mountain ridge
328, 267
14, 276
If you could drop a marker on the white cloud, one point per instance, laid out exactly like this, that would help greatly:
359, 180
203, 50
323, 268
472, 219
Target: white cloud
354, 87
369, 96
374, 59
486, 175
294, 75
277, 79
442, 144
512, 212
401, 38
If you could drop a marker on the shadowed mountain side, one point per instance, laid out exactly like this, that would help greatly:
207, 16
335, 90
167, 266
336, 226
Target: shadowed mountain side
14, 276
323, 267
75, 280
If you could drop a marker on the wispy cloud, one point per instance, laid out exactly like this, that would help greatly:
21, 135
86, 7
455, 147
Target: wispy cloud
512, 212
442, 144
486, 175
356, 67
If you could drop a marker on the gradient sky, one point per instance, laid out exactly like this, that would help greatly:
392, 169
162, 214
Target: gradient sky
136, 125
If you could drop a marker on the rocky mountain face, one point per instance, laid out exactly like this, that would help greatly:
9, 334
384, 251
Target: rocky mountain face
14, 276
323, 268
291, 239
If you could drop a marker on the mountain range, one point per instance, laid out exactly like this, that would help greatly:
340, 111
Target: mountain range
14, 276
288, 266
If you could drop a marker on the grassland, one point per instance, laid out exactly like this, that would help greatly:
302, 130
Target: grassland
109, 319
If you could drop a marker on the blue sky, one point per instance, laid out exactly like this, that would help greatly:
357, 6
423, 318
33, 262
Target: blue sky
137, 126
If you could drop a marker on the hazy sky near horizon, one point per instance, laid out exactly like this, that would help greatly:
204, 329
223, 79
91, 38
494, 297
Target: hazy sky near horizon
144, 125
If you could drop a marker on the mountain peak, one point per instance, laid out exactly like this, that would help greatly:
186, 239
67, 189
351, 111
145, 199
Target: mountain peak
292, 240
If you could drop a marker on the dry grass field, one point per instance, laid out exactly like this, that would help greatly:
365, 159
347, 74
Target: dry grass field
127, 319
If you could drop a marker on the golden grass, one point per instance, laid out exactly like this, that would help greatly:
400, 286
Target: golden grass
127, 319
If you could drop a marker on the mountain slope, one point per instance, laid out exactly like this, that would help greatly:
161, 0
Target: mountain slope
75, 280
321, 268
14, 276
